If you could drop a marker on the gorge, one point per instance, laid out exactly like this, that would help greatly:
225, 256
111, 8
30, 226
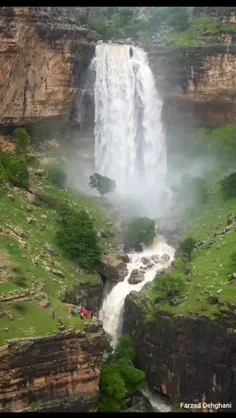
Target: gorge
158, 117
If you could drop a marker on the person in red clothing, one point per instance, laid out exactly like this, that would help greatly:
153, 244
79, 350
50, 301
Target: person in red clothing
85, 312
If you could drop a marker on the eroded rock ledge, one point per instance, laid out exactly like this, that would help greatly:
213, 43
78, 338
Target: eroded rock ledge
185, 358
51, 373
42, 55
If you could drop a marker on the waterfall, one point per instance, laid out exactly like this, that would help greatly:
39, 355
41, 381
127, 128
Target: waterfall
152, 260
129, 143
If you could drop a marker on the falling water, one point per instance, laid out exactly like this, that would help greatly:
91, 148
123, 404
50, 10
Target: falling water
129, 144
159, 256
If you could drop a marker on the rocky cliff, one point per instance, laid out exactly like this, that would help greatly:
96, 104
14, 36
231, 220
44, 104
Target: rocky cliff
52, 373
43, 53
198, 84
188, 359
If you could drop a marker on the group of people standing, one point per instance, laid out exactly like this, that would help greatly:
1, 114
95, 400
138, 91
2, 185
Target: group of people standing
83, 312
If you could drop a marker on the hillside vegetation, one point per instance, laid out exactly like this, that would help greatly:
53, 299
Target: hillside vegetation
205, 282
33, 266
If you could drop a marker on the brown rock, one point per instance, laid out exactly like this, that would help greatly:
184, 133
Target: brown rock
136, 277
112, 269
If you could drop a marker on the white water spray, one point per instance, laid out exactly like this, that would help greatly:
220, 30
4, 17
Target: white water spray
112, 309
129, 144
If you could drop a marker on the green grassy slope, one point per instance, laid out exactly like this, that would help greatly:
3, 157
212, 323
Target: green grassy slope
27, 270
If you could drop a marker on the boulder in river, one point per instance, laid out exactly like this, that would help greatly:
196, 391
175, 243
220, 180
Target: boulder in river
138, 248
113, 269
136, 277
165, 257
155, 258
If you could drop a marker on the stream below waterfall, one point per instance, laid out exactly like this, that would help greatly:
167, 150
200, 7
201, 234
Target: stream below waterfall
149, 262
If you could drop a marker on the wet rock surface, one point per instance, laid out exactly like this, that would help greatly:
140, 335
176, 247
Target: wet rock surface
113, 269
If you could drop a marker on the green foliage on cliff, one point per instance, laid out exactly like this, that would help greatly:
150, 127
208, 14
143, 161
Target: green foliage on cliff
228, 186
16, 170
186, 247
139, 230
102, 184
23, 139
119, 378
217, 140
170, 285
57, 176
77, 238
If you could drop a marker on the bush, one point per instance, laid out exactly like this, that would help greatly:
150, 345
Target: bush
186, 247
57, 176
170, 285
228, 186
20, 306
139, 230
119, 378
102, 184
17, 171
23, 139
2, 174
19, 281
77, 238
233, 259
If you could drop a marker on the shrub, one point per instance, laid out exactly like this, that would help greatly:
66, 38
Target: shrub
102, 184
19, 281
119, 378
233, 259
2, 174
77, 238
23, 139
17, 171
20, 306
17, 269
228, 186
170, 285
57, 176
186, 247
139, 230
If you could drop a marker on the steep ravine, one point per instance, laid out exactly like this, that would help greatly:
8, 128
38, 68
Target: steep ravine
189, 359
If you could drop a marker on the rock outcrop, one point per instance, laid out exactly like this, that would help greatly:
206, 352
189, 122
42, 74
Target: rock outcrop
86, 294
42, 57
185, 358
52, 373
113, 269
198, 83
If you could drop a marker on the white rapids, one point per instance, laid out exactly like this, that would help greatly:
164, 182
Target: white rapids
112, 309
130, 146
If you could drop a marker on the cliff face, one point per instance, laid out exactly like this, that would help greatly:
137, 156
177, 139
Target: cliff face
187, 359
42, 56
198, 84
51, 373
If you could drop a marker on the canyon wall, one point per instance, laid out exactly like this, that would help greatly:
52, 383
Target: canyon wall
185, 358
42, 57
198, 84
52, 373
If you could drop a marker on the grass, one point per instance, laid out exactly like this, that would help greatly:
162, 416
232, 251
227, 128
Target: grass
31, 263
211, 267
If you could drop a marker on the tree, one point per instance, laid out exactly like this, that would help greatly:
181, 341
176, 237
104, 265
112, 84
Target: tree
57, 176
228, 186
77, 238
139, 230
119, 378
102, 184
170, 285
187, 246
17, 172
23, 139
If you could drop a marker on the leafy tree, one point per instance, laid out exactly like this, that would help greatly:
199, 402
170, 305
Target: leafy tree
17, 171
102, 184
228, 186
170, 285
57, 176
77, 238
187, 246
23, 139
139, 230
119, 378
